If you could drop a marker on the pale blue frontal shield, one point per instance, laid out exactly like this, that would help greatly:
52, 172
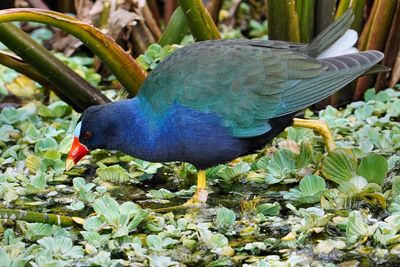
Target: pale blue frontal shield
77, 131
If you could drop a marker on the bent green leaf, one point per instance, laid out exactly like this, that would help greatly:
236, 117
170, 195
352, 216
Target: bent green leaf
122, 65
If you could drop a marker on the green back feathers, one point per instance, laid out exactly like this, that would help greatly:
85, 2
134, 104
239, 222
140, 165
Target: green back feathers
241, 83
247, 82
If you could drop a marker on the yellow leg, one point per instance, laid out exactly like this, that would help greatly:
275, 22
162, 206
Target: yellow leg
321, 128
200, 197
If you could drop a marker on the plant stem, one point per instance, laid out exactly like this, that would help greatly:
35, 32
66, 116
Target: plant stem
283, 21
294, 31
374, 36
392, 48
358, 8
200, 22
324, 14
37, 217
67, 84
18, 65
305, 11
176, 29
214, 7
278, 20
342, 7
121, 64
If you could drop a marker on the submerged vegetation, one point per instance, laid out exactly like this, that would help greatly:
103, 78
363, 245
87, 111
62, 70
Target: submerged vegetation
290, 204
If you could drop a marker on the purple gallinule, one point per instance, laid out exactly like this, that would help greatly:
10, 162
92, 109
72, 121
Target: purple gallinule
213, 101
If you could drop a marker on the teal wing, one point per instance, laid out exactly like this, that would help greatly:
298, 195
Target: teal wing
243, 82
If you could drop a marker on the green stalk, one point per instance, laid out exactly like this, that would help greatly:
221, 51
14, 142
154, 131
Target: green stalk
392, 50
278, 20
67, 84
283, 22
104, 15
358, 8
395, 76
200, 22
214, 7
381, 22
294, 31
16, 63
342, 7
176, 29
38, 217
323, 17
345, 95
305, 11
121, 64
364, 36
324, 14
374, 36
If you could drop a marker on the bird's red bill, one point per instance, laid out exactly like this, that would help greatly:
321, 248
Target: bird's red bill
77, 152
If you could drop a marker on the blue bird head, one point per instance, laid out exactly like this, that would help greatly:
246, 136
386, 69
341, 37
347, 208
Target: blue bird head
103, 126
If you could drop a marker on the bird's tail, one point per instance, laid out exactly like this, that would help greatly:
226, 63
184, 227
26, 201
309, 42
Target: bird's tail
335, 40
340, 71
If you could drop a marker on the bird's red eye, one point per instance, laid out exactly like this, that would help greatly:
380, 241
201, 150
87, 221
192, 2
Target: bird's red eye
87, 135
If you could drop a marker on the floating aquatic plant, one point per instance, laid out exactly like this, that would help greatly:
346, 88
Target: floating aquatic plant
293, 194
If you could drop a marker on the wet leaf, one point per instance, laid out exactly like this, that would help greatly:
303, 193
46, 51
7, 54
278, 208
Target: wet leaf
22, 87
93, 224
394, 207
340, 165
327, 246
283, 160
396, 186
356, 225
36, 231
32, 163
306, 155
218, 241
333, 199
46, 144
76, 205
310, 190
108, 208
5, 131
154, 242
54, 110
225, 218
373, 167
269, 209
311, 185
298, 134
12, 115
61, 247
228, 174
114, 173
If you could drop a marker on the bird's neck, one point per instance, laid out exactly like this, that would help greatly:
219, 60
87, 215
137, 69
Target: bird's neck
141, 132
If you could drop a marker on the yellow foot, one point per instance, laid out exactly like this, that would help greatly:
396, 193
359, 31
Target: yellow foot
321, 127
198, 199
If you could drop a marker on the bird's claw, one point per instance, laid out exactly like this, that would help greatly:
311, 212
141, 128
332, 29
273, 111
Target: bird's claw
198, 199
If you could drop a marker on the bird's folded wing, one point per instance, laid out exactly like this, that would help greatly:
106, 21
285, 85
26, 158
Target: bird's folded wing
246, 84
339, 71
